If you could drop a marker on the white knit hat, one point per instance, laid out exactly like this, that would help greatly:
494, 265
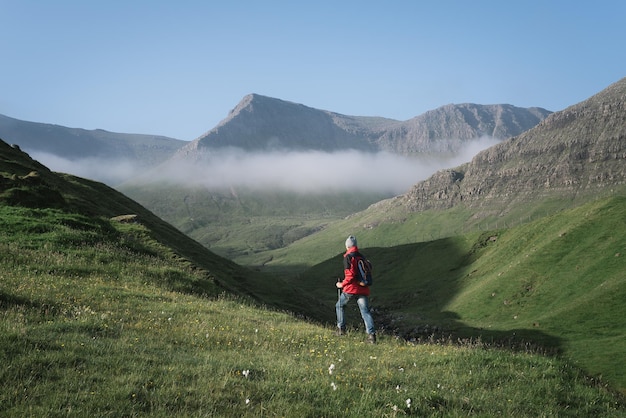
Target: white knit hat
351, 241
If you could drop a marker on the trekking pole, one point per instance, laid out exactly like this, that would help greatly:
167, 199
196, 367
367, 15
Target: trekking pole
338, 291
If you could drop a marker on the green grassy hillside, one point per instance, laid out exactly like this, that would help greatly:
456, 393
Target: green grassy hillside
26, 183
559, 281
98, 319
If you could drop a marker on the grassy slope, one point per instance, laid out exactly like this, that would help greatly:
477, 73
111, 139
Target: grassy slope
97, 318
559, 281
388, 223
18, 185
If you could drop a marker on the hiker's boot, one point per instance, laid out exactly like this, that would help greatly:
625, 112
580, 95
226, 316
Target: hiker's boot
340, 331
371, 338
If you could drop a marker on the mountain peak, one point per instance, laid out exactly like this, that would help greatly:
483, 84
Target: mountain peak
260, 123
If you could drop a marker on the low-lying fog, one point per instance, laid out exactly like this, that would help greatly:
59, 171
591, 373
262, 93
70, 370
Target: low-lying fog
305, 171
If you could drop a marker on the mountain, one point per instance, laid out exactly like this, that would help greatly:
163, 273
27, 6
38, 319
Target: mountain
97, 147
261, 123
264, 123
289, 176
575, 152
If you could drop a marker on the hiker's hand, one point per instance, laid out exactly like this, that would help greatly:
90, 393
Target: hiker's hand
339, 285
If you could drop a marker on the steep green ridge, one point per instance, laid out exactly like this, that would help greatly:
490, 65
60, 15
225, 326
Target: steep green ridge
26, 183
102, 313
559, 281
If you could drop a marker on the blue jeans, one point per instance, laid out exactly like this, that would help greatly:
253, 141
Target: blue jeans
364, 307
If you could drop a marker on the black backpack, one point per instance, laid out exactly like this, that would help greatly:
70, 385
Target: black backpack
364, 267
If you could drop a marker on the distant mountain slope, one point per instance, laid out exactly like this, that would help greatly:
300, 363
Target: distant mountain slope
264, 123
580, 150
443, 129
76, 144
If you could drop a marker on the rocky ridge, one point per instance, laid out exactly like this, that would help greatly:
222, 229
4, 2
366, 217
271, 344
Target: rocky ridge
579, 150
260, 123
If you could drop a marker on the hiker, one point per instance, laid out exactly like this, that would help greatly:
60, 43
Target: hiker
350, 288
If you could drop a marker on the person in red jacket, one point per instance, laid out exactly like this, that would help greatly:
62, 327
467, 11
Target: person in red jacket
351, 289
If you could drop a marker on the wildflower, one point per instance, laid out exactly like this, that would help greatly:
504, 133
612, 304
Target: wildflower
247, 401
333, 385
408, 403
398, 388
331, 369
401, 369
245, 373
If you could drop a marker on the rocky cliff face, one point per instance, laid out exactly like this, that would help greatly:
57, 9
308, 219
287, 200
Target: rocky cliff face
579, 150
263, 123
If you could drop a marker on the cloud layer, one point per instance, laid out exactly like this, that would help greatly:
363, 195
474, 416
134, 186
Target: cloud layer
302, 171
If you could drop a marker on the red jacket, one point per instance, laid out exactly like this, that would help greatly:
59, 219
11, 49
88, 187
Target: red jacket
350, 271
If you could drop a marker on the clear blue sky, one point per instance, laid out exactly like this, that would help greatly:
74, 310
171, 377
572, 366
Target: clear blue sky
176, 68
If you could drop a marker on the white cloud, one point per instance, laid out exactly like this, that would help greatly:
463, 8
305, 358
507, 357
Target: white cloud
313, 171
303, 171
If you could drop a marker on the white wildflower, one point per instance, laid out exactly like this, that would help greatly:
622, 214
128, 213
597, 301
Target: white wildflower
331, 369
333, 385
245, 373
408, 403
